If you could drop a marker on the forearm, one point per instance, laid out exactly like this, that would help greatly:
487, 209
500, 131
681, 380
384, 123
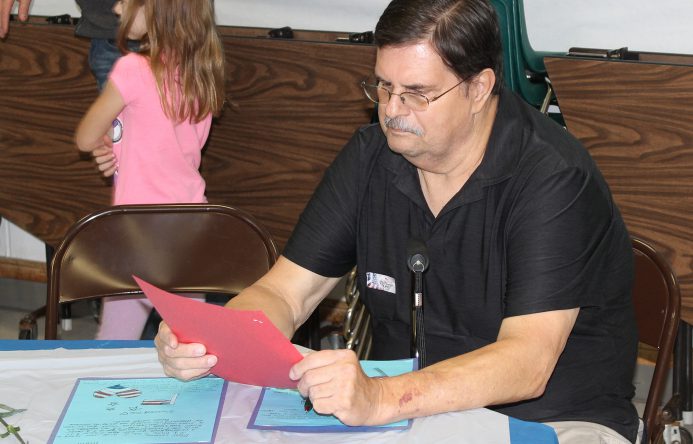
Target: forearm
493, 375
514, 368
287, 294
91, 132
258, 297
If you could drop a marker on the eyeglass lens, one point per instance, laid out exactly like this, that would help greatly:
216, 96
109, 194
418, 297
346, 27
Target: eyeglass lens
382, 95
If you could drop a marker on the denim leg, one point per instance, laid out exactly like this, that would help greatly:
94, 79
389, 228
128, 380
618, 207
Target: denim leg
102, 55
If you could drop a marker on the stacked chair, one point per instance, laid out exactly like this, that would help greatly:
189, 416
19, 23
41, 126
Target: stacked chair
523, 67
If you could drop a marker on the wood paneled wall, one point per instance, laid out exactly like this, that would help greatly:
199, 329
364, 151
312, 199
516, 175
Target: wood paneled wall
293, 104
636, 119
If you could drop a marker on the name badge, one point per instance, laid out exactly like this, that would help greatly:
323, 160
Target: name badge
381, 282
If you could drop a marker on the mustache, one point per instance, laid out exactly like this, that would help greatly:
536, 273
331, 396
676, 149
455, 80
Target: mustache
401, 124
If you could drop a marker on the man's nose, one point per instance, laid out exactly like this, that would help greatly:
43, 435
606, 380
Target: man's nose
396, 107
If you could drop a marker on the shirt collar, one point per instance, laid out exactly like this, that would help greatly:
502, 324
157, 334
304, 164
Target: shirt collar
503, 148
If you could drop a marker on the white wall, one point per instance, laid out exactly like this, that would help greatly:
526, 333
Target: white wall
641, 25
16, 243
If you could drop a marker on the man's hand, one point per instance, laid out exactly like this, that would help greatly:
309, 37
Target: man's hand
182, 361
105, 160
6, 8
336, 384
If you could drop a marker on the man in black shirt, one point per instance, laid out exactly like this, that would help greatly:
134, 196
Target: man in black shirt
527, 302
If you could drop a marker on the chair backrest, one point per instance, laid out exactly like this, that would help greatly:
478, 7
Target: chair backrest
357, 321
508, 32
657, 302
182, 248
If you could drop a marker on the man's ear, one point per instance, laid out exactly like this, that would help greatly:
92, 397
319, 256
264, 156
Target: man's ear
480, 88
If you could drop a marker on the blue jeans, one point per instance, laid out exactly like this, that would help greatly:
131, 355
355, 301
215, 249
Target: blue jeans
103, 54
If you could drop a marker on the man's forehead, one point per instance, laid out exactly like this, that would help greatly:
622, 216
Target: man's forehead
410, 64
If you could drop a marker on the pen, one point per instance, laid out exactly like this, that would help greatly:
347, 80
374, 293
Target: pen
307, 405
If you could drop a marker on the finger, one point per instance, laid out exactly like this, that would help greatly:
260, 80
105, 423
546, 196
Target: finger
102, 151
24, 9
316, 377
187, 367
165, 336
182, 361
318, 359
109, 171
186, 375
5, 9
169, 347
104, 163
108, 141
105, 159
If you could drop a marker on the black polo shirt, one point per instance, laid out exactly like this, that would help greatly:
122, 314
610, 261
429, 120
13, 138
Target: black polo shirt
534, 229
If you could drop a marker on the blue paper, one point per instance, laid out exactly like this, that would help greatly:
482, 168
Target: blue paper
141, 410
524, 432
283, 409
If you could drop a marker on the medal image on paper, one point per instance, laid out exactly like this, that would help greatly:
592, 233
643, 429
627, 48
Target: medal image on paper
141, 410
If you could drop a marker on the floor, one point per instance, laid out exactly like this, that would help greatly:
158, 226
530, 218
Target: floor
17, 298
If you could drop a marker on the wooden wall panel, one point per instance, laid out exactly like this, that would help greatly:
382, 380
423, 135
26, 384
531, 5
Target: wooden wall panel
45, 86
636, 119
293, 105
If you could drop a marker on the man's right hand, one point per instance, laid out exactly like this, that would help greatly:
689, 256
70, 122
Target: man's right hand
182, 361
6, 9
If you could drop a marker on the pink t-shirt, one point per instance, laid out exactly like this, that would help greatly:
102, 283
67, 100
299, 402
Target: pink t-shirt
158, 160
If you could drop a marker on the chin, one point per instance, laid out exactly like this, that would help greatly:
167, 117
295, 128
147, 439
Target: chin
401, 142
406, 150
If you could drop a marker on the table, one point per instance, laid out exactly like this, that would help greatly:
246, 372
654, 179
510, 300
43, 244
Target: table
39, 375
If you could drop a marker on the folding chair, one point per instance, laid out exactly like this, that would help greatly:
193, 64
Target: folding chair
657, 302
182, 248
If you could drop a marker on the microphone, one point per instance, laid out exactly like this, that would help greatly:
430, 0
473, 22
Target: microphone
417, 261
416, 251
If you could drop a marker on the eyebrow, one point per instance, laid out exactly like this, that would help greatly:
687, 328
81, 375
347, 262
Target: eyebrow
410, 87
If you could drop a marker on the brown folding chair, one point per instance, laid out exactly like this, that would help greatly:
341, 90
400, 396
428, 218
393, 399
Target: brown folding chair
657, 302
357, 321
182, 248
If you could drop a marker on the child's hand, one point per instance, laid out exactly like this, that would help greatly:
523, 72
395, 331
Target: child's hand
105, 160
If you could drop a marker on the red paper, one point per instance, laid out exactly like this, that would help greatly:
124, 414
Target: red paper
249, 348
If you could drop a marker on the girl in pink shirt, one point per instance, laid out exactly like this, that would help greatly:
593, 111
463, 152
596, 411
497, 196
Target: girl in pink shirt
157, 107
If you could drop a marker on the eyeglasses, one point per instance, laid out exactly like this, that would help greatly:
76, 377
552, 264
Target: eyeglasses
377, 93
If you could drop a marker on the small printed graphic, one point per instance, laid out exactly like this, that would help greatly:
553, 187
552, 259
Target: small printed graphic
117, 130
161, 401
117, 390
381, 282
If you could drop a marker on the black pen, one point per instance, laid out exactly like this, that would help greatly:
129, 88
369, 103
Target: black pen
307, 405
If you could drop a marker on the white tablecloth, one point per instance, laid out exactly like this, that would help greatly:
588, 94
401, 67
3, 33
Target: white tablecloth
41, 381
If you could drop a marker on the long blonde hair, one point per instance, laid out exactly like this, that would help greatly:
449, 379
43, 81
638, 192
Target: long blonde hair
185, 53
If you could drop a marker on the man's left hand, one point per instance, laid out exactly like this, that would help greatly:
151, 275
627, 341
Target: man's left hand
336, 384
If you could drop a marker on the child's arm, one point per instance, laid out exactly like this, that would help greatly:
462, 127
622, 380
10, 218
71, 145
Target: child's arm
98, 120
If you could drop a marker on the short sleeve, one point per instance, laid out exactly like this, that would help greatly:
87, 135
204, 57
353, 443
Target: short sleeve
558, 239
324, 240
128, 76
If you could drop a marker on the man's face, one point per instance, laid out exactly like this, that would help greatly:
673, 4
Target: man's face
422, 136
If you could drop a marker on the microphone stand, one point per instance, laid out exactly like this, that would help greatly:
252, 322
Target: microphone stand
418, 262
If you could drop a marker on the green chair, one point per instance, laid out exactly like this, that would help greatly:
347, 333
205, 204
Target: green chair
523, 67
534, 61
506, 23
